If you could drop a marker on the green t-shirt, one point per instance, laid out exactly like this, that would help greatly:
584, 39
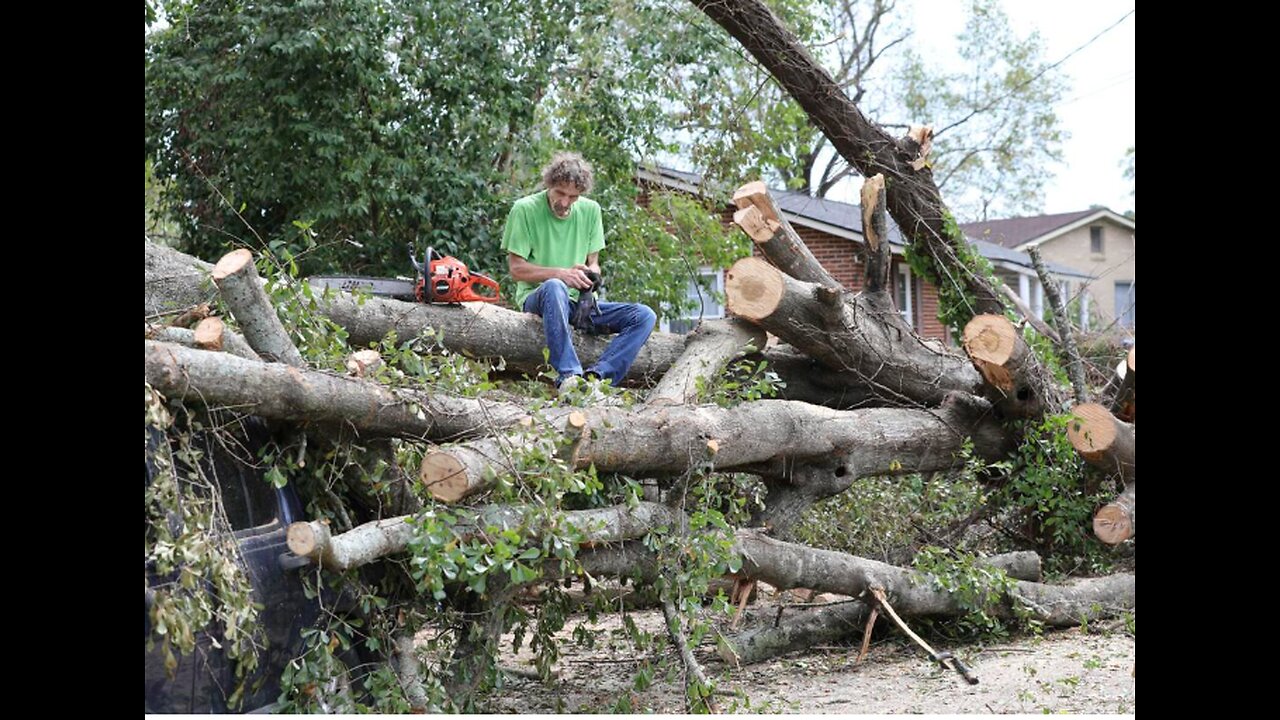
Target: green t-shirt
534, 233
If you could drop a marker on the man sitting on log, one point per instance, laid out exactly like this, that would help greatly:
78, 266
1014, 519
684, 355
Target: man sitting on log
553, 240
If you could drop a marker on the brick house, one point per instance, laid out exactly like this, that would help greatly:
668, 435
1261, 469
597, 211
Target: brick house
833, 232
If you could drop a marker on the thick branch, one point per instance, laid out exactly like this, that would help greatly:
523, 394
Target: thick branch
1125, 404
1117, 521
760, 218
861, 334
237, 280
372, 541
710, 347
1105, 441
1019, 385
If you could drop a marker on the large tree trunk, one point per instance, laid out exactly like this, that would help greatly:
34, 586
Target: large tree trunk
914, 201
280, 392
1105, 441
174, 281
788, 565
765, 436
860, 334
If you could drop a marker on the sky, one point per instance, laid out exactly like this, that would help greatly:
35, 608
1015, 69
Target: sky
1099, 109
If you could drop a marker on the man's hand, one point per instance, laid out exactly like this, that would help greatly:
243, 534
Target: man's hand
576, 277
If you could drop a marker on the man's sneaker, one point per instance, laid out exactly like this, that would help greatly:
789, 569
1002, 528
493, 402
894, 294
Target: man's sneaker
569, 386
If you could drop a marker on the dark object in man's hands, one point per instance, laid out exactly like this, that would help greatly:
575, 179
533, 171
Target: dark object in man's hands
587, 308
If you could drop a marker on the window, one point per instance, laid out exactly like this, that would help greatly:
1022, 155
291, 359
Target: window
706, 304
1095, 239
903, 295
1126, 312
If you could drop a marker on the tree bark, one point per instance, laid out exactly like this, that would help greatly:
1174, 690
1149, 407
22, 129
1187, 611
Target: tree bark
1018, 384
237, 280
285, 393
1117, 521
861, 334
1103, 440
764, 436
760, 218
710, 347
914, 201
174, 282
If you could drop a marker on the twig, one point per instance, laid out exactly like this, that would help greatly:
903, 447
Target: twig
866, 634
691, 665
946, 659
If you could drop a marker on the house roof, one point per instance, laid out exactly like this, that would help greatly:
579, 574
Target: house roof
845, 220
1027, 231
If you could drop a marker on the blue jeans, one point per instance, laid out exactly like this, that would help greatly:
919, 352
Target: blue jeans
633, 323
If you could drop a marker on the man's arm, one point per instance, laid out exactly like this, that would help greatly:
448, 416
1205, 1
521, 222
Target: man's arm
524, 271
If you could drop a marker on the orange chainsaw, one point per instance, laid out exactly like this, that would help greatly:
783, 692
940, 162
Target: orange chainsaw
441, 279
445, 279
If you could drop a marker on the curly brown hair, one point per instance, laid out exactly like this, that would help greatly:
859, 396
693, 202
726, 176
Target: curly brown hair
568, 167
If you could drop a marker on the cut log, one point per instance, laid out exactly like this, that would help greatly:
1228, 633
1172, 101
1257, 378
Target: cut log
231, 342
280, 392
208, 334
1103, 440
710, 347
757, 436
237, 280
861, 334
364, 362
1125, 404
760, 218
1019, 386
1117, 521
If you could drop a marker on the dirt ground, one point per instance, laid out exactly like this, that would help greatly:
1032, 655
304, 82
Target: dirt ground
1067, 671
